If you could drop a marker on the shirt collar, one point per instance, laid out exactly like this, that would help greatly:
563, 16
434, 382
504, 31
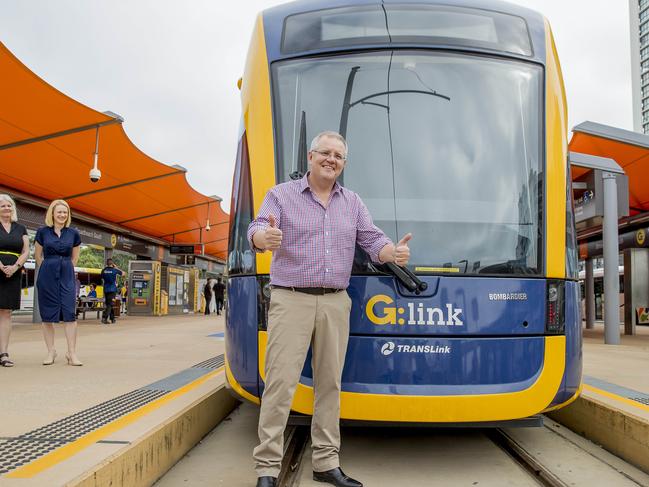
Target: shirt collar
304, 184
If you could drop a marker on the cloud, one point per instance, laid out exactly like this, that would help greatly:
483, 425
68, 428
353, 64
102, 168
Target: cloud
170, 68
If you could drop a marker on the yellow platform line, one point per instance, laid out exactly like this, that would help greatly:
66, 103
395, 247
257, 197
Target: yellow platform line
615, 397
70, 449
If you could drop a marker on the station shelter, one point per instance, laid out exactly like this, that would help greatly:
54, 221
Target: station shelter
630, 151
138, 209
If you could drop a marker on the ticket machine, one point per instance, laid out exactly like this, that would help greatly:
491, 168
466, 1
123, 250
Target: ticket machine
144, 288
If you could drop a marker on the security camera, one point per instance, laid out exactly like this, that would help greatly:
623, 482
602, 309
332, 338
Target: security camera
95, 175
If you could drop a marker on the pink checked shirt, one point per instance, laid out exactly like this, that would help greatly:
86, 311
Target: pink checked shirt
318, 243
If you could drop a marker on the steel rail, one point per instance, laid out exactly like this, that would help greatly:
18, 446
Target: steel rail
296, 442
525, 459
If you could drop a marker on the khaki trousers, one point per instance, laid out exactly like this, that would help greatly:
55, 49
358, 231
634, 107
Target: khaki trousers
295, 321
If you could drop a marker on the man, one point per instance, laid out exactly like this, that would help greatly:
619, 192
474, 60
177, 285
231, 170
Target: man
312, 226
219, 294
207, 293
93, 291
109, 276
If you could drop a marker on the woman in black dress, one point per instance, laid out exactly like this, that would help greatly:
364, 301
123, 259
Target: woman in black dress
56, 252
14, 251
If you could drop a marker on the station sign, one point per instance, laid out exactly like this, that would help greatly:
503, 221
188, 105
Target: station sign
634, 239
92, 235
183, 249
589, 198
134, 246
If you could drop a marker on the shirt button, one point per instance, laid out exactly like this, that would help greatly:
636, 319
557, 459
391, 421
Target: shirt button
326, 270
327, 251
326, 233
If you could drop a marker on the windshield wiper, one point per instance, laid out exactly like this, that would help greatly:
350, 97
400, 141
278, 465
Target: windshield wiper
348, 104
344, 116
409, 280
302, 151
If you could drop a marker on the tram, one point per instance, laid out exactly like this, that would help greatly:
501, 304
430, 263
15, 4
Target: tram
455, 115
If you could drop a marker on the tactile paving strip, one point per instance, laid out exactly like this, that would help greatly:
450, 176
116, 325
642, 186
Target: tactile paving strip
212, 363
636, 396
18, 451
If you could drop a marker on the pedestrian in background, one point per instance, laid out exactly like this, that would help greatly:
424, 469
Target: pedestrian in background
207, 292
14, 251
109, 276
93, 291
219, 293
56, 252
124, 295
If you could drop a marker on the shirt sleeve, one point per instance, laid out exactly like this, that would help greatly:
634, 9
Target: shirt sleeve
22, 230
368, 236
77, 238
119, 272
269, 206
39, 236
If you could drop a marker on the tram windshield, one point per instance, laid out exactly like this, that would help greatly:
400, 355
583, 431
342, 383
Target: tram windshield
442, 145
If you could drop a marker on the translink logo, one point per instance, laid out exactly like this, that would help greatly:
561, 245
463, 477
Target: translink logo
389, 347
417, 313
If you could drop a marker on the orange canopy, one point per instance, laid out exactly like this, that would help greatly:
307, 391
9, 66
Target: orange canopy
629, 149
47, 145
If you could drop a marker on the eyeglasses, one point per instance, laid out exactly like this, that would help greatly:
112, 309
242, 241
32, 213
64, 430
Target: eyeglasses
327, 154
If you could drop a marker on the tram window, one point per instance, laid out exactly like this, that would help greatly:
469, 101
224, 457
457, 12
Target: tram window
426, 24
240, 257
462, 172
572, 270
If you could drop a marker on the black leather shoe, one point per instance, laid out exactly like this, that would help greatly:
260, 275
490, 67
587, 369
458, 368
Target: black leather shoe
336, 477
266, 482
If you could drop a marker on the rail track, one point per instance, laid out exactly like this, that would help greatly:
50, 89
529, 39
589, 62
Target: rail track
380, 456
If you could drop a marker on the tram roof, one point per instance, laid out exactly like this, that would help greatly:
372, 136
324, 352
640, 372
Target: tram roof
629, 149
47, 141
274, 19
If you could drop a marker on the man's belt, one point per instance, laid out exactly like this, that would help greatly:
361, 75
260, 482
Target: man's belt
317, 291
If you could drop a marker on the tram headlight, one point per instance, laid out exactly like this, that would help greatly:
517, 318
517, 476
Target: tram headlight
555, 307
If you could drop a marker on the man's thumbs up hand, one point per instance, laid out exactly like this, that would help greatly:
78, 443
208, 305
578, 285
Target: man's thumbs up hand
402, 251
273, 236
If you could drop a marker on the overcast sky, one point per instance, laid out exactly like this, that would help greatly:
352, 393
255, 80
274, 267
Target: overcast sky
170, 67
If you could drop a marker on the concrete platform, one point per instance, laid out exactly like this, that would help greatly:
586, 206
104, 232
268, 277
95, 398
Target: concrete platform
613, 409
150, 389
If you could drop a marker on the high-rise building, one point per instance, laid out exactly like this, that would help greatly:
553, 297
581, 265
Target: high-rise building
639, 16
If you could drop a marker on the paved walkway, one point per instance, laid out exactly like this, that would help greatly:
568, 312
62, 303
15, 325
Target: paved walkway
59, 421
625, 364
117, 359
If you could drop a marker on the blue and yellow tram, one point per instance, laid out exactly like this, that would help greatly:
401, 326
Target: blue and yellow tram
455, 115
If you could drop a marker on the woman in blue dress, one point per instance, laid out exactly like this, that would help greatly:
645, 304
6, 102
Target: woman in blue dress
57, 252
